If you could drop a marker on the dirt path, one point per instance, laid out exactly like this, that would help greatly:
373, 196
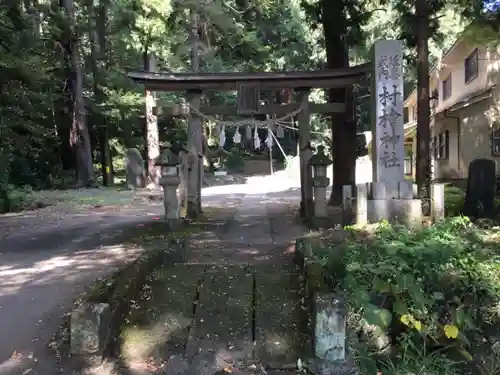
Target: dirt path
47, 257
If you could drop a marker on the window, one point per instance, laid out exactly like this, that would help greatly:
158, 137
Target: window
406, 118
442, 146
408, 162
495, 140
471, 66
414, 113
447, 87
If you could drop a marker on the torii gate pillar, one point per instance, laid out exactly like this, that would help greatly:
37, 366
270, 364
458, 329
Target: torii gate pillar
195, 144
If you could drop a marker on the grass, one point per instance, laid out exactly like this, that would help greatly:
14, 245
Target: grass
103, 196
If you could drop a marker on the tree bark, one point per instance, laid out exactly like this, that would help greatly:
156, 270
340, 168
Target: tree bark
152, 135
79, 133
343, 126
97, 30
195, 126
423, 165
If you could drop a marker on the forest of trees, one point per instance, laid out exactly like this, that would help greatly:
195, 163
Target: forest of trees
67, 106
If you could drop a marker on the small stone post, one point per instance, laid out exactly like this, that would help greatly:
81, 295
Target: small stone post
320, 161
169, 181
437, 201
330, 328
347, 205
90, 331
330, 337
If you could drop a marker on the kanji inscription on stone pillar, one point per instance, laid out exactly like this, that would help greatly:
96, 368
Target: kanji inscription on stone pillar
388, 99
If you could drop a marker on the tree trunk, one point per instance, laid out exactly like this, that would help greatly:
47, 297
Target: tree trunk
343, 127
97, 23
152, 135
423, 166
195, 127
63, 107
79, 133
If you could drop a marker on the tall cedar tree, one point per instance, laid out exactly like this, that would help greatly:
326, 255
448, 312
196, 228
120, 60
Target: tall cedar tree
342, 22
419, 21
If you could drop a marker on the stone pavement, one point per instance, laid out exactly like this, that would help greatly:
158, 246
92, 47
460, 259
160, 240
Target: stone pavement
236, 299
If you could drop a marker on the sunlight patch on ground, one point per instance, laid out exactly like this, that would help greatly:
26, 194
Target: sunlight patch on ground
61, 268
254, 185
277, 345
140, 342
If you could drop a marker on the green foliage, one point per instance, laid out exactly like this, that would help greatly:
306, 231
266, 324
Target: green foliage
454, 198
36, 77
432, 291
234, 161
13, 198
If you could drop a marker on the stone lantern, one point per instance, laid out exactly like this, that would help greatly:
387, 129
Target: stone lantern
320, 161
169, 181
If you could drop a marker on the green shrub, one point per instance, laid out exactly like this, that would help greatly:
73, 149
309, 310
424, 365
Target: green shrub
453, 200
433, 292
13, 198
234, 161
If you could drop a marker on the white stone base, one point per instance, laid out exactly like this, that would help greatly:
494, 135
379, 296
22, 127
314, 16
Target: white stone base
373, 202
404, 211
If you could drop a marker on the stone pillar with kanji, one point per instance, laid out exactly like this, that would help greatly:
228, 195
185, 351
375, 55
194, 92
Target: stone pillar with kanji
388, 122
389, 196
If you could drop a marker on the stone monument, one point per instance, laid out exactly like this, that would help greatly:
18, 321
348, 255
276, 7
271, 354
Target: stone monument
134, 167
389, 196
481, 186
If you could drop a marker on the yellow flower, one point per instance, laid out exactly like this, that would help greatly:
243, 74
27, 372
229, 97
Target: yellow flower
417, 325
406, 319
451, 331
410, 321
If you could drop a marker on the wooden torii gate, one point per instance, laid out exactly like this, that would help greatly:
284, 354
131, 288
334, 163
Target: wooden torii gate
195, 84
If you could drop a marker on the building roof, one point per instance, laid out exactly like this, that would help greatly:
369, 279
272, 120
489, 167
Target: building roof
266, 80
